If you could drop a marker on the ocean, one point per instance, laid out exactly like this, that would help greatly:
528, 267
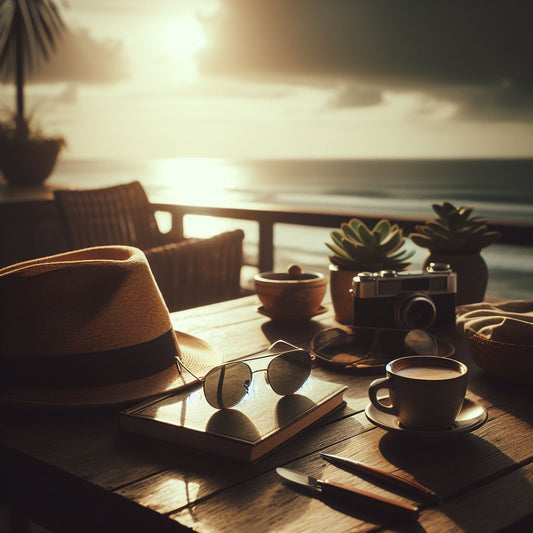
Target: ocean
498, 189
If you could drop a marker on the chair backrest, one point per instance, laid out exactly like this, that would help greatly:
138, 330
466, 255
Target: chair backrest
120, 214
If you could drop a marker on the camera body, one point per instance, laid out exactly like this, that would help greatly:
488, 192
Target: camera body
407, 299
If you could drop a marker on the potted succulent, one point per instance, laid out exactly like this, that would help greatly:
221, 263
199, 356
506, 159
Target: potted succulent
29, 30
457, 238
357, 248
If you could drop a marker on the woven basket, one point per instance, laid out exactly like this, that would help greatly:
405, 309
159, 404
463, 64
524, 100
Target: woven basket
513, 362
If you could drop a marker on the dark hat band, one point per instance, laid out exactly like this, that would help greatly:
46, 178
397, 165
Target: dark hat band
89, 369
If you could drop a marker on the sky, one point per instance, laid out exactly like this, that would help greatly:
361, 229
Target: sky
289, 79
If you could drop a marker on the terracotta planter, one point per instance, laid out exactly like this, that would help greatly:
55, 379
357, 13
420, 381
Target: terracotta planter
28, 161
340, 284
472, 274
289, 298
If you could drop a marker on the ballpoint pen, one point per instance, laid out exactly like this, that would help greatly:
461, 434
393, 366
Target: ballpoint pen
386, 477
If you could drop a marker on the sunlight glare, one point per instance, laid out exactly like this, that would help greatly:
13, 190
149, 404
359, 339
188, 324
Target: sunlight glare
197, 181
187, 37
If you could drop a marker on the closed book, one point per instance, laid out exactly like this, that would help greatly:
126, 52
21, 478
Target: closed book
261, 422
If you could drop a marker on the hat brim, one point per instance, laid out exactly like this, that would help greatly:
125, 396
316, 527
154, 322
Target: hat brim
196, 355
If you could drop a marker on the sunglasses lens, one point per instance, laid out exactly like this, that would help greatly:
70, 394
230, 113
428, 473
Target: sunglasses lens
226, 385
289, 371
331, 338
358, 344
340, 347
421, 342
389, 343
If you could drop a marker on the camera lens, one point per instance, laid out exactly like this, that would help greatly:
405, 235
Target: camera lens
415, 311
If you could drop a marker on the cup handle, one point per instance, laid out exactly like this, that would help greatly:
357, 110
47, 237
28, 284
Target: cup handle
375, 386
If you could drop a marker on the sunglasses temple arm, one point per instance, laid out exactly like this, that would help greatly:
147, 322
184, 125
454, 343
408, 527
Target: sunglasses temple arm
284, 342
180, 363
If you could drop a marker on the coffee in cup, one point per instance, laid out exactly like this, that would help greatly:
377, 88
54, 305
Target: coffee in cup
426, 392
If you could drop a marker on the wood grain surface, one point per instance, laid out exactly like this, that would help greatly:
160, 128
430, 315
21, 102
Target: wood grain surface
75, 471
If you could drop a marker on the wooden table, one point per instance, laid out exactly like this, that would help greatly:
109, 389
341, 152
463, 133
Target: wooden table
74, 471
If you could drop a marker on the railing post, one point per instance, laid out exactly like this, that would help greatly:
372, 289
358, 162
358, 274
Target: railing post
266, 245
177, 224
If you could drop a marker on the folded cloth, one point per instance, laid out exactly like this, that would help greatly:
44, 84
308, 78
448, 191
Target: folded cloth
509, 322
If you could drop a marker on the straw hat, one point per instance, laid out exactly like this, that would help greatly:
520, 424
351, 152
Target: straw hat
90, 328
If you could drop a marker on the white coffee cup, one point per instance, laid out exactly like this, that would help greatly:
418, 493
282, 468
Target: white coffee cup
426, 392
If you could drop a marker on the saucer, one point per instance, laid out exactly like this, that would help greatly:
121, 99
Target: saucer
472, 416
294, 318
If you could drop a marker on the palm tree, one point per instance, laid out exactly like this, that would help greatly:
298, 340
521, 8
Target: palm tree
29, 30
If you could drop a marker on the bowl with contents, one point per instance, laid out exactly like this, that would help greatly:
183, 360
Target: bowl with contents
292, 295
512, 362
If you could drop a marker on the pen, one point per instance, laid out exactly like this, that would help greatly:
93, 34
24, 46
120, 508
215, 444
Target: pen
332, 489
391, 479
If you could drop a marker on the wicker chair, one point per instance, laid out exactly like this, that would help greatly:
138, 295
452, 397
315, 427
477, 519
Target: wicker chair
189, 272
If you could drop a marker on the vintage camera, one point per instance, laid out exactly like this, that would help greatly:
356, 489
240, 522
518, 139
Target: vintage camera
407, 300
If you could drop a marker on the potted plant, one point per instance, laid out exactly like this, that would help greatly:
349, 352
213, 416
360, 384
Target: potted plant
357, 248
29, 30
457, 238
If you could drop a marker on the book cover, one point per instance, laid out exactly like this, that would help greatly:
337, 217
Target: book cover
261, 422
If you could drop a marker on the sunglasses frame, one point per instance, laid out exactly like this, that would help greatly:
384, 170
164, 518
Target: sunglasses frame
367, 360
238, 362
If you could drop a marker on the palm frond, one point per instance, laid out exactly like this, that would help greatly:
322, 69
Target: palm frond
33, 25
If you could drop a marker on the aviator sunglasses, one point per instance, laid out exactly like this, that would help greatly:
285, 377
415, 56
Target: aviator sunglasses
226, 385
369, 347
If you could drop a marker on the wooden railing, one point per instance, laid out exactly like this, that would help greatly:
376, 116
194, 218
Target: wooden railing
31, 228
267, 216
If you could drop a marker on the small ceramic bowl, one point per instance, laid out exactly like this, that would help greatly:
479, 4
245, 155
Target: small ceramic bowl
291, 295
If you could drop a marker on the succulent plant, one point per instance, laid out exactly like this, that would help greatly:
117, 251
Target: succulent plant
454, 230
356, 247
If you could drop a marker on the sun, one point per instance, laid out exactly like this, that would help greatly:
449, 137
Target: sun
181, 38
188, 37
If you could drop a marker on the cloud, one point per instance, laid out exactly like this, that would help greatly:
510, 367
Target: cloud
356, 96
504, 101
80, 58
478, 52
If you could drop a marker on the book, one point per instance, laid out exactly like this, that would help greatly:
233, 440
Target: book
260, 423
